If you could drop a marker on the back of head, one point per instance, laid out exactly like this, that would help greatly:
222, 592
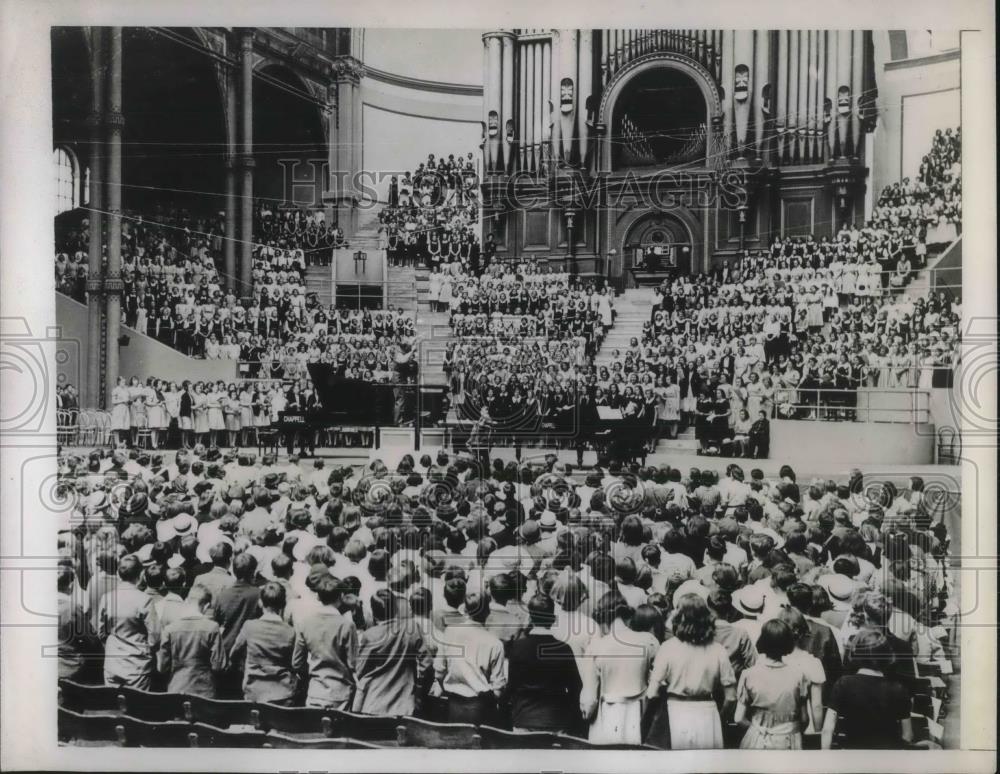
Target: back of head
541, 611
272, 597
454, 592
477, 606
245, 567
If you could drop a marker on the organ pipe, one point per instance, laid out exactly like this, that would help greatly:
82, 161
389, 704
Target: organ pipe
830, 101
540, 117
493, 48
843, 103
857, 59
551, 148
586, 80
569, 97
727, 87
802, 120
759, 82
507, 103
744, 83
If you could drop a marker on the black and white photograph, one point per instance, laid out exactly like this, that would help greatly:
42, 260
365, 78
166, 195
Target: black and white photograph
547, 389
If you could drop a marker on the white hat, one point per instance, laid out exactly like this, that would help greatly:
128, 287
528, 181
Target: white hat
182, 524
841, 589
749, 600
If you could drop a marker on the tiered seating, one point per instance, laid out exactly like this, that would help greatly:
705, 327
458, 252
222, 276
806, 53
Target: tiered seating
432, 214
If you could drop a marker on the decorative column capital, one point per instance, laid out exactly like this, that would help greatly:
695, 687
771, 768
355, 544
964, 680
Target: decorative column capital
246, 39
95, 285
113, 285
347, 68
245, 161
114, 120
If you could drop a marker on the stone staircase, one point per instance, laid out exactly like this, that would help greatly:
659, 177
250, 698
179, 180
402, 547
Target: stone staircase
923, 280
319, 280
634, 307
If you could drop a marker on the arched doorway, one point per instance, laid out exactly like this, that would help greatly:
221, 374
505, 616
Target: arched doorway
290, 146
658, 244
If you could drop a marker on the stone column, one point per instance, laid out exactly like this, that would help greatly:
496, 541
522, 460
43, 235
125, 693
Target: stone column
246, 163
232, 119
113, 282
348, 73
570, 216
93, 392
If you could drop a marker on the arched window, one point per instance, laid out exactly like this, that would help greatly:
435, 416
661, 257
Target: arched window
67, 180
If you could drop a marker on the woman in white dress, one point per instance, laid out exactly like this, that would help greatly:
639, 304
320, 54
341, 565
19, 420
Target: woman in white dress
137, 407
199, 409
605, 309
614, 669
120, 415
689, 672
231, 409
246, 414
445, 293
155, 414
670, 406
216, 414
434, 289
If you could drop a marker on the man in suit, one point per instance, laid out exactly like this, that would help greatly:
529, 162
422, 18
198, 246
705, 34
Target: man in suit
191, 652
821, 641
127, 626
544, 682
234, 606
265, 646
326, 649
394, 664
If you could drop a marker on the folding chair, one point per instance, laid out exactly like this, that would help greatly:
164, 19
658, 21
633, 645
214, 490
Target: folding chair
218, 712
204, 735
300, 722
142, 733
81, 730
368, 728
499, 739
411, 732
281, 742
567, 742
84, 699
151, 707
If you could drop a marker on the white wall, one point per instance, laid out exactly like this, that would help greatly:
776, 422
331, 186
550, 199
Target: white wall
915, 96
922, 115
449, 56
396, 142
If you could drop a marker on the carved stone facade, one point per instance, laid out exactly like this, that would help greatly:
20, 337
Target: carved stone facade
769, 139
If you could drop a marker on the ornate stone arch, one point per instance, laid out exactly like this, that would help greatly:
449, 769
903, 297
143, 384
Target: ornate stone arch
635, 220
665, 59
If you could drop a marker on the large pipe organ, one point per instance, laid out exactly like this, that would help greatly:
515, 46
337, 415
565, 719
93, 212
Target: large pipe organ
586, 120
